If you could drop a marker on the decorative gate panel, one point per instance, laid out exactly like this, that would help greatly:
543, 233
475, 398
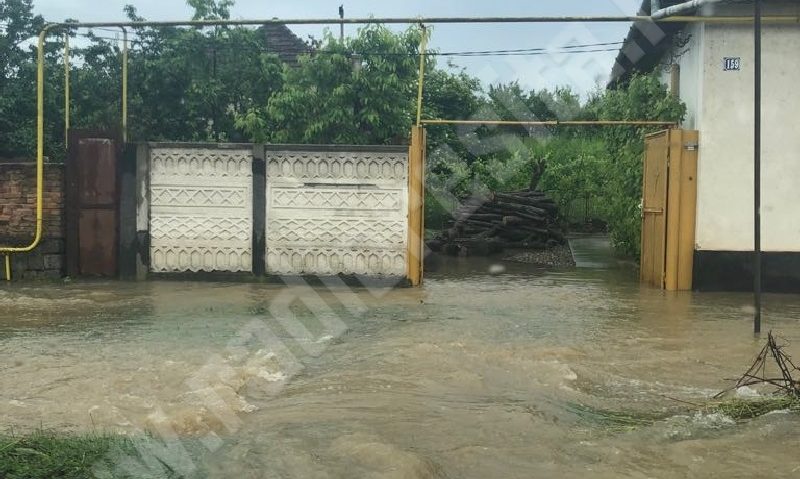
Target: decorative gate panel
334, 210
201, 209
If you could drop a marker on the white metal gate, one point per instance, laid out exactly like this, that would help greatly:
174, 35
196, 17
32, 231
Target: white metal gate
334, 210
201, 208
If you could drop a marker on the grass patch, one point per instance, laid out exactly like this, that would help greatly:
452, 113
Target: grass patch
50, 455
743, 409
612, 420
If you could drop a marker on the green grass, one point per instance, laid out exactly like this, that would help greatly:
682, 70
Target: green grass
743, 409
736, 408
52, 455
612, 420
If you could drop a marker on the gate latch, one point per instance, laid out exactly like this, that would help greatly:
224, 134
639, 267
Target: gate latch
691, 146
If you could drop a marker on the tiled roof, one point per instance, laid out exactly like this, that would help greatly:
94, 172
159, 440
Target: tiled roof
283, 42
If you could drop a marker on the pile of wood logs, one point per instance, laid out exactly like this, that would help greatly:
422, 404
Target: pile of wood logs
483, 225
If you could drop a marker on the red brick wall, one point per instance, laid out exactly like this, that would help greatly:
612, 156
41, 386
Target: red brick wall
18, 218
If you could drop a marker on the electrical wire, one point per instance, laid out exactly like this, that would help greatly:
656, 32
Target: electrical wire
566, 49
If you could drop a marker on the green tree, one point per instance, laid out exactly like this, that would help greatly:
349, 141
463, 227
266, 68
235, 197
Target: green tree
191, 84
644, 97
358, 91
18, 25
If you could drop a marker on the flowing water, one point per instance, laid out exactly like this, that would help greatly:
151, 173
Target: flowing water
491, 369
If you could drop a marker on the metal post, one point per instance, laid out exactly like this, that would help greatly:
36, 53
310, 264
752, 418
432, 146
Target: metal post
124, 85
66, 89
757, 173
341, 24
423, 45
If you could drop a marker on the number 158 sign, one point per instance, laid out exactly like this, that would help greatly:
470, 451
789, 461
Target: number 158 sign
732, 64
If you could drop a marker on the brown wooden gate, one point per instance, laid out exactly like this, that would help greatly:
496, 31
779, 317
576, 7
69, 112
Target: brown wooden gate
92, 196
669, 197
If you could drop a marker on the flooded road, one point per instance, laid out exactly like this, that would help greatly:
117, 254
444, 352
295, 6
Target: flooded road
476, 375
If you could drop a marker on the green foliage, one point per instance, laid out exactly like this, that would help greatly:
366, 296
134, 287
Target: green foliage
576, 168
17, 74
344, 92
211, 9
192, 84
645, 97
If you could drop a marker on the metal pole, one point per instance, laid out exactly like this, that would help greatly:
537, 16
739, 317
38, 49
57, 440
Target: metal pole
66, 89
423, 45
791, 19
757, 173
341, 24
124, 85
552, 122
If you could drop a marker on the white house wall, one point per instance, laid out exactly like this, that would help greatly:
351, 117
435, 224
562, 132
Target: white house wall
331, 212
200, 209
690, 59
725, 173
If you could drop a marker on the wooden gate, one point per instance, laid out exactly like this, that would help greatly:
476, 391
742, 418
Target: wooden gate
669, 197
92, 199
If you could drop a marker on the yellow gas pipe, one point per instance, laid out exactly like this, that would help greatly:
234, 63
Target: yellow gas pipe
39, 157
423, 45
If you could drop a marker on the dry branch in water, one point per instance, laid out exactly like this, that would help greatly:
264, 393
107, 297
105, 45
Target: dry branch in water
760, 374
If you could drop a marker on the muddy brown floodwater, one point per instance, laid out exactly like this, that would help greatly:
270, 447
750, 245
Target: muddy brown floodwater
475, 375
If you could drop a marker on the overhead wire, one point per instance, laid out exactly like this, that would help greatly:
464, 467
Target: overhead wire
566, 49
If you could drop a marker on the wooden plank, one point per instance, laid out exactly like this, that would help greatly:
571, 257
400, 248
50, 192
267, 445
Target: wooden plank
660, 196
644, 252
688, 211
674, 186
654, 190
416, 229
423, 155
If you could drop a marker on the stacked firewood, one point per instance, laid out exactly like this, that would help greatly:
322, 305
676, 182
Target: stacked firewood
482, 225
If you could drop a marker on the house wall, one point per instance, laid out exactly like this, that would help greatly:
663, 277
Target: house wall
18, 218
725, 175
720, 106
690, 59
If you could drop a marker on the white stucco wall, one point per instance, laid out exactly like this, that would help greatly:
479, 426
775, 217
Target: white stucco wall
690, 58
725, 122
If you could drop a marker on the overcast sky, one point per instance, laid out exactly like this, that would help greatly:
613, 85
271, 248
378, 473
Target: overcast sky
581, 71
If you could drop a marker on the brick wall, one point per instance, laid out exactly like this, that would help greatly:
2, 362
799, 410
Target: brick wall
18, 218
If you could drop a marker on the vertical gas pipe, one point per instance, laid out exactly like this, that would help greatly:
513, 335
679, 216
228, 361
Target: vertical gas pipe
423, 46
124, 85
757, 173
66, 89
